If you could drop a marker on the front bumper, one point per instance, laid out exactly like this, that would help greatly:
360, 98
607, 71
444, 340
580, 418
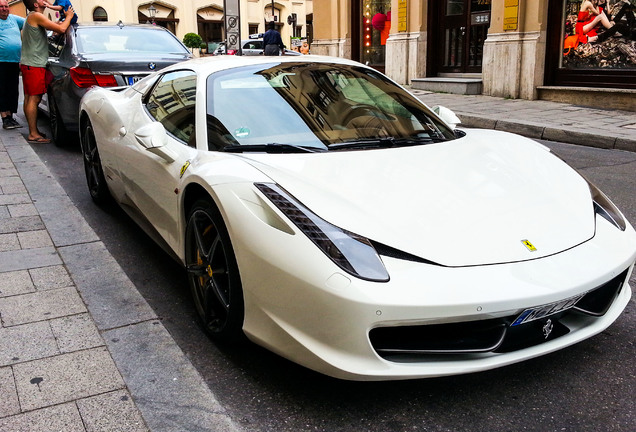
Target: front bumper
301, 306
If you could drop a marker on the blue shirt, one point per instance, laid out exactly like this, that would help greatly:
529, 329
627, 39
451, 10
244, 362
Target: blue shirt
10, 40
65, 4
272, 37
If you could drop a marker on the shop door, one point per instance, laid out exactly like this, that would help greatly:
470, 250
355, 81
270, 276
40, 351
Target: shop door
463, 29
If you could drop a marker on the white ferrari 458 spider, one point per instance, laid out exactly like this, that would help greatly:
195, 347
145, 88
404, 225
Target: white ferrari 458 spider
327, 214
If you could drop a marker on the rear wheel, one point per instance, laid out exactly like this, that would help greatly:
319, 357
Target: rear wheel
93, 165
213, 273
58, 130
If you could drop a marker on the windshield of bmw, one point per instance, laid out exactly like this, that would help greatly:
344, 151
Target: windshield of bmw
301, 106
109, 39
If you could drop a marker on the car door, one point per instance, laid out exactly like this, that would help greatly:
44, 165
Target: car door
253, 48
159, 142
60, 60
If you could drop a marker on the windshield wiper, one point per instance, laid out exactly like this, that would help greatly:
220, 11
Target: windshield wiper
370, 143
270, 148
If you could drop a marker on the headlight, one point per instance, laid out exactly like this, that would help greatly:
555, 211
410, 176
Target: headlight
351, 252
606, 208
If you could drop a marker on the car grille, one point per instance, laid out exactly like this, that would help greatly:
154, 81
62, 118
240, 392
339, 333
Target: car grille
412, 343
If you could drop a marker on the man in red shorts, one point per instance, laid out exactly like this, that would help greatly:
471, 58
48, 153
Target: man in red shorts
33, 61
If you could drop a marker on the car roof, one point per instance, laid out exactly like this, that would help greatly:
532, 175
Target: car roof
118, 24
210, 64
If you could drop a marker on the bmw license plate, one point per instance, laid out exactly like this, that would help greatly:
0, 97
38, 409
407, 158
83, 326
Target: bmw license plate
546, 310
133, 79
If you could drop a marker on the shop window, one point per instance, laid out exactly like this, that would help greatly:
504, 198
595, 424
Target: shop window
592, 43
376, 25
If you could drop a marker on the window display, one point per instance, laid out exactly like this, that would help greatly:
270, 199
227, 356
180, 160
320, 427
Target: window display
599, 34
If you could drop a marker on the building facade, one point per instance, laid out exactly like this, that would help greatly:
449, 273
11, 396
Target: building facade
512, 48
203, 17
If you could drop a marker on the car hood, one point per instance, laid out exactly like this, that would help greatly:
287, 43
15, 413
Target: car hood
470, 201
133, 62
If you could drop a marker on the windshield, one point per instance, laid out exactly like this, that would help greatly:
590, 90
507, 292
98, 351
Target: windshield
316, 106
97, 40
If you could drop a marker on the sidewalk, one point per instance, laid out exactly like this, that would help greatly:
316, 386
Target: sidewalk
552, 121
80, 349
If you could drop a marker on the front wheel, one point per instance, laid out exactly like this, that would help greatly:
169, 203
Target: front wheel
213, 273
93, 165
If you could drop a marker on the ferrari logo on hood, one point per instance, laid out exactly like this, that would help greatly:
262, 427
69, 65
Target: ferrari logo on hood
529, 245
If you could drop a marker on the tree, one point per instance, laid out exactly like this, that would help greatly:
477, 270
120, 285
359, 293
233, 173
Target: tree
192, 40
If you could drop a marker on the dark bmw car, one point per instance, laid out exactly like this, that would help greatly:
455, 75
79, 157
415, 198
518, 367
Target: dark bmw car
105, 55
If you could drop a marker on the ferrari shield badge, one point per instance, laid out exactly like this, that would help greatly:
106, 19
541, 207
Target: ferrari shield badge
184, 168
529, 245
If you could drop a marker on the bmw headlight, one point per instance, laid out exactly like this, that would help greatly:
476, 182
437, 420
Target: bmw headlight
351, 252
606, 208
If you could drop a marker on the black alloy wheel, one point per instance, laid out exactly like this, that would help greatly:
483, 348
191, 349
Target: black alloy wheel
213, 273
93, 166
58, 130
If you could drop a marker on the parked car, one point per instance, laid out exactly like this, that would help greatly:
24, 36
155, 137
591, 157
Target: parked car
326, 213
106, 55
249, 47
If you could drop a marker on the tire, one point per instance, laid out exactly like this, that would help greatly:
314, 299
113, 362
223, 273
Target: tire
213, 273
93, 166
58, 130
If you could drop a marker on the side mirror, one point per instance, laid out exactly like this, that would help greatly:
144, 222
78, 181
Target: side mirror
447, 116
153, 138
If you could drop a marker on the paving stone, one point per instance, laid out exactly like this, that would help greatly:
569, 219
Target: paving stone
4, 210
14, 189
628, 144
17, 282
65, 223
9, 242
111, 297
18, 198
34, 239
20, 224
64, 418
65, 378
75, 333
165, 385
7, 170
18, 210
28, 258
26, 342
11, 180
111, 412
4, 157
9, 404
40, 305
527, 129
45, 278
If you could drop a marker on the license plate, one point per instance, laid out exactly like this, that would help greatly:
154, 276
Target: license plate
546, 310
134, 79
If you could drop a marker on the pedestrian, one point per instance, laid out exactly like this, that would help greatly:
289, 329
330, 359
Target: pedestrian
10, 47
62, 7
272, 41
33, 61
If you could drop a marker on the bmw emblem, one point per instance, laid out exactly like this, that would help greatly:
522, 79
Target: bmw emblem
152, 66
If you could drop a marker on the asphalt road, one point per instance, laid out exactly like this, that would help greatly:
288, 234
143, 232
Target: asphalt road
588, 387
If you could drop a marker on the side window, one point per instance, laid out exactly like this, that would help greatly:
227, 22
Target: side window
172, 102
56, 43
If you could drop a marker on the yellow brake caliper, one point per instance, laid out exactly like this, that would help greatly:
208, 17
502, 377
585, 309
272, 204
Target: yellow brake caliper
200, 261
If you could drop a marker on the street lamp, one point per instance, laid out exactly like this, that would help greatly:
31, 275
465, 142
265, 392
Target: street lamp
152, 11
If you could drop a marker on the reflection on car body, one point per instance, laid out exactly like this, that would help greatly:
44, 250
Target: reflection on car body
249, 47
326, 213
105, 55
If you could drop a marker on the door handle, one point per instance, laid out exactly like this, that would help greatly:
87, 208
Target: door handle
463, 30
